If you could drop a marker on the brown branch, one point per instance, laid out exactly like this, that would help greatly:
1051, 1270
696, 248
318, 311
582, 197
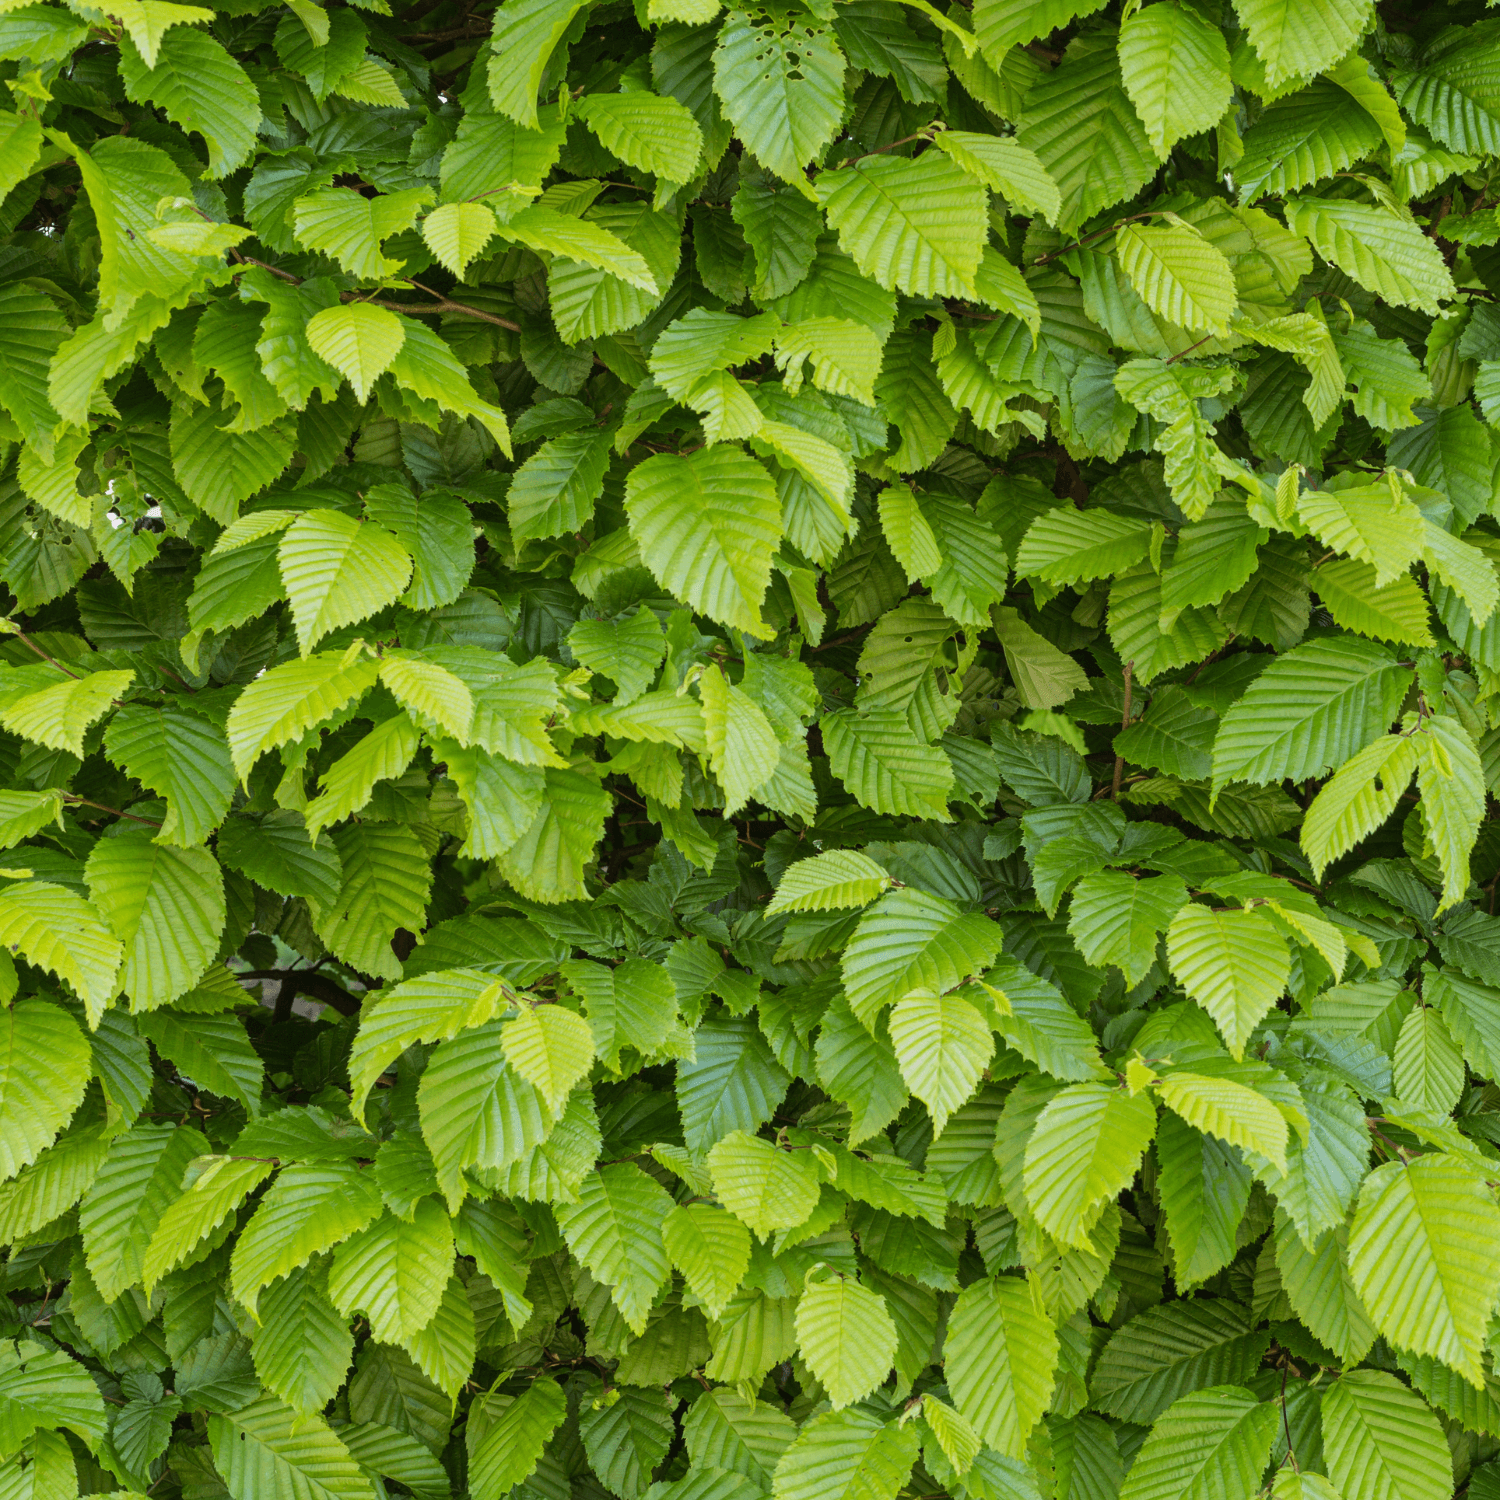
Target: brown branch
50, 660
906, 140
104, 807
442, 305
308, 982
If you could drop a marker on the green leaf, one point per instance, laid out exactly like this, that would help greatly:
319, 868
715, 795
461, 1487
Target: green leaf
846, 1337
267, 1447
57, 930
916, 226
764, 1187
839, 878
711, 1248
1312, 709
1085, 1148
58, 716
213, 1050
1209, 1445
555, 489
845, 356
394, 1271
631, 1005
1421, 1260
1384, 253
907, 941
1117, 919
1229, 1110
358, 340
943, 1045
183, 759
1044, 676
505, 1447
733, 1083
1001, 1360
338, 571
781, 82
1452, 785
1235, 964
707, 525
615, 1230
1179, 274
386, 883
165, 905
43, 1388
214, 1187
349, 228
310, 1208
1317, 1282
1294, 41
743, 750
1080, 124
1175, 68
1381, 1440
289, 699
649, 131
878, 758
457, 233
551, 1048
842, 1454
1168, 1351
133, 1188
200, 87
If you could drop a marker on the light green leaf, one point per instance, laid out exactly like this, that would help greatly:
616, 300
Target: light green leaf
712, 1250
60, 715
1423, 1258
1175, 67
338, 571
57, 930
846, 1335
1233, 963
765, 1187
1381, 1441
943, 1045
707, 526
1000, 1357
1084, 1150
615, 1229
914, 226
358, 340
1209, 1445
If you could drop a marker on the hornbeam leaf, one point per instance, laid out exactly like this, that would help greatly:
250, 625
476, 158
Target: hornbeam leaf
1084, 1149
1384, 253
1208, 1444
1381, 1440
846, 1336
358, 340
1422, 1257
1312, 709
916, 226
1296, 40
839, 878
1180, 276
1175, 68
1233, 963
707, 525
1001, 1361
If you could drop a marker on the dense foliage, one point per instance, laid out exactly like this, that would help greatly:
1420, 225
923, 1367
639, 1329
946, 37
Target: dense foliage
745, 754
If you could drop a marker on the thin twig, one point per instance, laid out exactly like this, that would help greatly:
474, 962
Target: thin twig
104, 807
50, 660
906, 140
1114, 791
